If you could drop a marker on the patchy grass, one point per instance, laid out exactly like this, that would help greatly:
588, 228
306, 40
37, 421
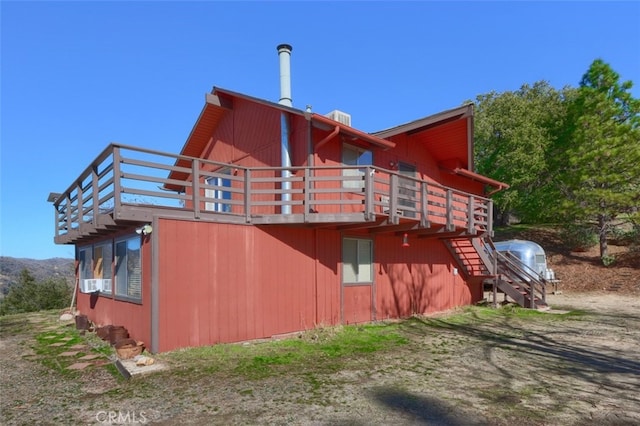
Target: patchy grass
50, 339
471, 315
324, 348
328, 349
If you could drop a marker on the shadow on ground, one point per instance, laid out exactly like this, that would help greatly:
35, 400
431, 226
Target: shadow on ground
421, 409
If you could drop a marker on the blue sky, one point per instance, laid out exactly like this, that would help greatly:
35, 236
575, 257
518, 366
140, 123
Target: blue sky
76, 76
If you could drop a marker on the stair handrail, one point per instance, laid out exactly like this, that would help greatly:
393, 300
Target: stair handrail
522, 273
492, 253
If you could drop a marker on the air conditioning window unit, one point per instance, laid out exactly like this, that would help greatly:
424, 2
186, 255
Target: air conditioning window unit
95, 284
340, 117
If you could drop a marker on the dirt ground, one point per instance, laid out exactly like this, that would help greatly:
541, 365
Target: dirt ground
580, 370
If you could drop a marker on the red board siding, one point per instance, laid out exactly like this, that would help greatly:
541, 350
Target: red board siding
357, 304
417, 279
227, 283
327, 262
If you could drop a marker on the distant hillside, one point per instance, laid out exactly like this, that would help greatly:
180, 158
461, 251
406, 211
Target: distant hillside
10, 268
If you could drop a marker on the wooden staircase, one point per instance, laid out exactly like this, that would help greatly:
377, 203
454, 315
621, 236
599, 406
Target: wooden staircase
477, 257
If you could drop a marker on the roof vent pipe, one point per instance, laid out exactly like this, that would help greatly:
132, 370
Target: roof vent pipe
284, 53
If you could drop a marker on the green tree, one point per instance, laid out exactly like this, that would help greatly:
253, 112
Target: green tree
29, 295
596, 161
513, 131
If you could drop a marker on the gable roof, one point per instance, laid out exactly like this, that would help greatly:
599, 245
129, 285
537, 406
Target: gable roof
448, 135
451, 157
220, 101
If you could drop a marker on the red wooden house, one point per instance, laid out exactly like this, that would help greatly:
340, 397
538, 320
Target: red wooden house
273, 220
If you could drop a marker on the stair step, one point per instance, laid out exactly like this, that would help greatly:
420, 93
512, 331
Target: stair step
476, 259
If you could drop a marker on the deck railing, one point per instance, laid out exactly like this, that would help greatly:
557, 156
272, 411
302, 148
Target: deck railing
128, 184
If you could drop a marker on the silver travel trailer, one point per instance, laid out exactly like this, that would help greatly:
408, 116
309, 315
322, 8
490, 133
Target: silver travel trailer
530, 254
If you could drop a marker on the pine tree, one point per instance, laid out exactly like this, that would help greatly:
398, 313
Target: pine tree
598, 158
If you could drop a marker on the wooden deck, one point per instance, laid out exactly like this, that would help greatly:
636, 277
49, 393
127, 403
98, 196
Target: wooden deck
127, 186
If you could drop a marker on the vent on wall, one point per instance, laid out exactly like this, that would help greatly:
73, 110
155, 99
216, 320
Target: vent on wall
340, 117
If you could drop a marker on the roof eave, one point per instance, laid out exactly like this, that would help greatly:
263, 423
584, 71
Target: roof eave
358, 134
412, 126
499, 186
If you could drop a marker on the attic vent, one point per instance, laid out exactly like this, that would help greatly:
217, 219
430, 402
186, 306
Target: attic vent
340, 117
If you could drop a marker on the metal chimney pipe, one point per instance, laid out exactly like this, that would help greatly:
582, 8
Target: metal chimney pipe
284, 53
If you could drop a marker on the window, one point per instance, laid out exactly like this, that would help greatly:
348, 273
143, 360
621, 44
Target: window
407, 189
357, 260
84, 263
94, 268
102, 257
128, 267
352, 156
219, 193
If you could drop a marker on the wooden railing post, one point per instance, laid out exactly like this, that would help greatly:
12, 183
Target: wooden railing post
424, 205
369, 213
195, 187
393, 199
471, 225
57, 216
117, 183
532, 295
80, 203
450, 225
68, 212
490, 218
306, 194
247, 195
95, 194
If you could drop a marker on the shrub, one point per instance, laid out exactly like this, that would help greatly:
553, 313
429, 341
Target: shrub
608, 260
29, 295
579, 237
626, 235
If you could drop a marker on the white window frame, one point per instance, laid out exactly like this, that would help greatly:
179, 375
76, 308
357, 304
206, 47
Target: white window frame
362, 157
357, 260
106, 267
127, 270
218, 194
85, 263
